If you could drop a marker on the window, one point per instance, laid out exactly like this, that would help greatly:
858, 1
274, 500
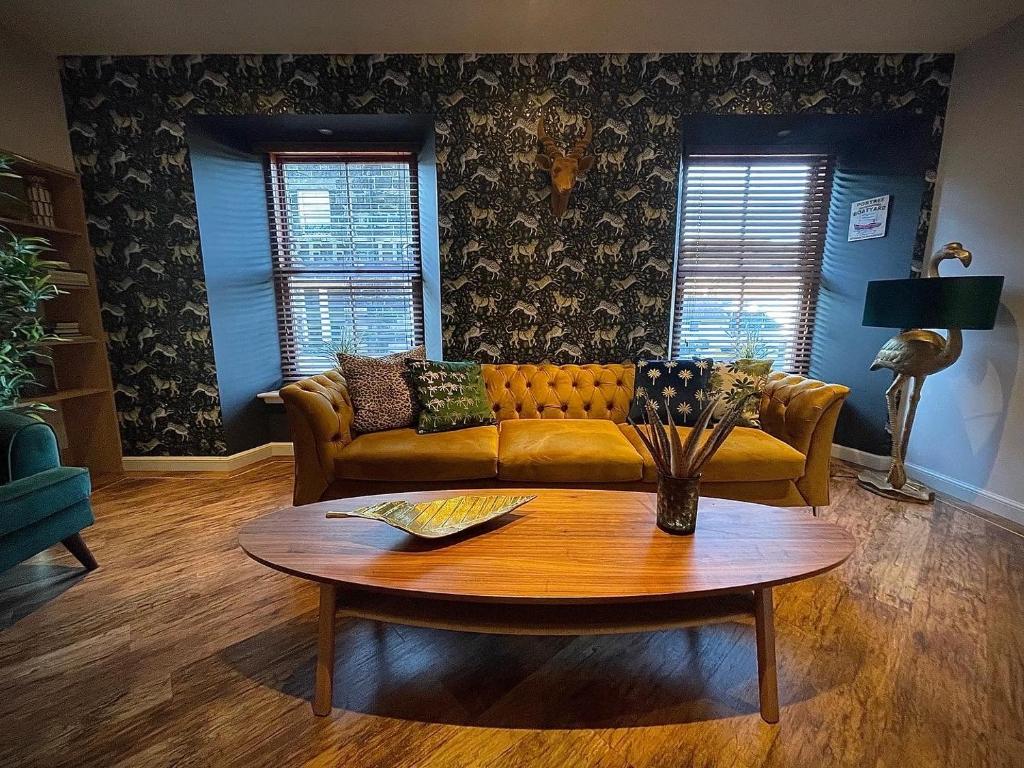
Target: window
752, 230
314, 206
345, 244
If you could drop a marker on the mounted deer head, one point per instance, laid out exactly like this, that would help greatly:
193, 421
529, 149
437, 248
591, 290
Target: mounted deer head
564, 168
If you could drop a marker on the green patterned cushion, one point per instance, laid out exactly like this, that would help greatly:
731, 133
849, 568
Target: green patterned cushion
734, 379
451, 395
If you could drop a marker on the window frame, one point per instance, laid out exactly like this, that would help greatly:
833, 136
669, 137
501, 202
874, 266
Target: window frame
280, 218
823, 161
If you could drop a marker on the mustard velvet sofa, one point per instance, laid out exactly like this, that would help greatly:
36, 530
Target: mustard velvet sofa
559, 426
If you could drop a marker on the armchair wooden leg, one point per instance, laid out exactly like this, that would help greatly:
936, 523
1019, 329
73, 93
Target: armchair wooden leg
76, 546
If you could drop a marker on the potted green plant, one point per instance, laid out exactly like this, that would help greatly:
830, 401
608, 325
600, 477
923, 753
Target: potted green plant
24, 284
344, 343
748, 346
13, 201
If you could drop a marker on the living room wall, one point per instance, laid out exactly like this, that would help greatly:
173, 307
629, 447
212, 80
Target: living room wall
33, 121
969, 435
517, 284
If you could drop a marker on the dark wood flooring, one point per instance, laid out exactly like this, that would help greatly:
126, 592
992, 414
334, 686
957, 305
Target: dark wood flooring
180, 651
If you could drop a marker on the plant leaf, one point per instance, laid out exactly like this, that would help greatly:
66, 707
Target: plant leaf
675, 443
719, 434
693, 440
650, 448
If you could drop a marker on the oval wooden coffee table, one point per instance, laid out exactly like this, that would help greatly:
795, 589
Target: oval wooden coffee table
571, 562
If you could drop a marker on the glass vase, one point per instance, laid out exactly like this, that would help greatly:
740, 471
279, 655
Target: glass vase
677, 504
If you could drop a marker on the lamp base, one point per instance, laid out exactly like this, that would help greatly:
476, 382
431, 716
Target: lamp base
877, 482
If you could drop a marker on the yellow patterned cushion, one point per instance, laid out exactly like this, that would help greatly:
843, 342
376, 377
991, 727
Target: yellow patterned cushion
559, 391
565, 451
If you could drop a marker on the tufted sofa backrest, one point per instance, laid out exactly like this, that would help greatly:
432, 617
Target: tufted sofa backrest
559, 391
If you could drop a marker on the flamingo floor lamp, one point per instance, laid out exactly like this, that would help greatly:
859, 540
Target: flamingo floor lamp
930, 301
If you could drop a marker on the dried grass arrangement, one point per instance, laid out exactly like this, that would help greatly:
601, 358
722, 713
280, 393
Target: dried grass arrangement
680, 461
685, 458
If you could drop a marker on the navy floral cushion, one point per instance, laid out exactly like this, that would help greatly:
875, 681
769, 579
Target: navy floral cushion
685, 384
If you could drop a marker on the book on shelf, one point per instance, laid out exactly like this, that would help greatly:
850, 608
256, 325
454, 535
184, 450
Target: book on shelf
40, 201
64, 329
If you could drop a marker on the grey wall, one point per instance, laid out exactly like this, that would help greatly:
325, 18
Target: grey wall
426, 171
232, 207
874, 155
883, 160
969, 436
228, 178
33, 122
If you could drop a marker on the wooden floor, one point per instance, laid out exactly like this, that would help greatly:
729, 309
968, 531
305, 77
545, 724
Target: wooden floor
181, 651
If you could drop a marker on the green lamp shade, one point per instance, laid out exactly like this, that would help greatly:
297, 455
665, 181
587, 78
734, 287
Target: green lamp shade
969, 303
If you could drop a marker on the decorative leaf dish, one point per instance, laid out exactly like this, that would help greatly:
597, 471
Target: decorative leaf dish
441, 517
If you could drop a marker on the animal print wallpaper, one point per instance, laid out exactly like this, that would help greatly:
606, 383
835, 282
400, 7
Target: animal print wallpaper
517, 284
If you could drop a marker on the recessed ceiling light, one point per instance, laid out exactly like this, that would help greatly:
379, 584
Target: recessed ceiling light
324, 131
784, 132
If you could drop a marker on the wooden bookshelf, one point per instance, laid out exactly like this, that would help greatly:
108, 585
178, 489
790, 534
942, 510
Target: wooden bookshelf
73, 340
42, 230
66, 394
83, 400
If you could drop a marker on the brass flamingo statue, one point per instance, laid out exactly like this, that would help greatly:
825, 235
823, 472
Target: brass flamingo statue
914, 355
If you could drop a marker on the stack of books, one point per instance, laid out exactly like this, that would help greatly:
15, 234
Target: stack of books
65, 330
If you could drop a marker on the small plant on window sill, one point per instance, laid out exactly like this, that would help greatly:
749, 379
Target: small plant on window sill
345, 343
746, 337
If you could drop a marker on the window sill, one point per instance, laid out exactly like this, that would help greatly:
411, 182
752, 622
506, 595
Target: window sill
271, 398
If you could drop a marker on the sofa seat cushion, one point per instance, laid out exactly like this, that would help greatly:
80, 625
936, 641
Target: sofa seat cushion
404, 455
746, 455
30, 499
566, 451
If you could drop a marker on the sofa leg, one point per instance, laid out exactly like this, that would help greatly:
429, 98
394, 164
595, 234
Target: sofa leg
76, 546
814, 511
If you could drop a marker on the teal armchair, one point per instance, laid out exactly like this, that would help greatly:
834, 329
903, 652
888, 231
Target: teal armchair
41, 502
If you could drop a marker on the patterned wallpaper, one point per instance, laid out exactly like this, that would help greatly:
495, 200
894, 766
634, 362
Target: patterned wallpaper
517, 284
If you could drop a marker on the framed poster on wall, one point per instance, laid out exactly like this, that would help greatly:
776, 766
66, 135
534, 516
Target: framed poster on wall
868, 218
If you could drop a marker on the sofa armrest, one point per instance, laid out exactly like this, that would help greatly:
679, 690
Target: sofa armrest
27, 446
320, 417
803, 412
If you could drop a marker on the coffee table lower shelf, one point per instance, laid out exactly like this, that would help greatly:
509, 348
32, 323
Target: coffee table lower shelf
548, 619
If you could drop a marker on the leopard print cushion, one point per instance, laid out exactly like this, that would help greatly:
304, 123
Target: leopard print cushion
382, 397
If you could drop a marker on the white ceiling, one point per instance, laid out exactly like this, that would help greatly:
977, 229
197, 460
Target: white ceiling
418, 26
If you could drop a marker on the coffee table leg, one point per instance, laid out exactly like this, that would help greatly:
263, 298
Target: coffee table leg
764, 628
323, 689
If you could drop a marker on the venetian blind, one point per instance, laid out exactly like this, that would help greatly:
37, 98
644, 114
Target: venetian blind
344, 232
752, 230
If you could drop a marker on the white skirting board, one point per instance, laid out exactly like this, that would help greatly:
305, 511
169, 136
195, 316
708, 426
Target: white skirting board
1011, 509
978, 497
230, 463
861, 458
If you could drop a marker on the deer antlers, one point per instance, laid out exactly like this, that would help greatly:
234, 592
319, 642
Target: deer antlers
550, 147
579, 147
